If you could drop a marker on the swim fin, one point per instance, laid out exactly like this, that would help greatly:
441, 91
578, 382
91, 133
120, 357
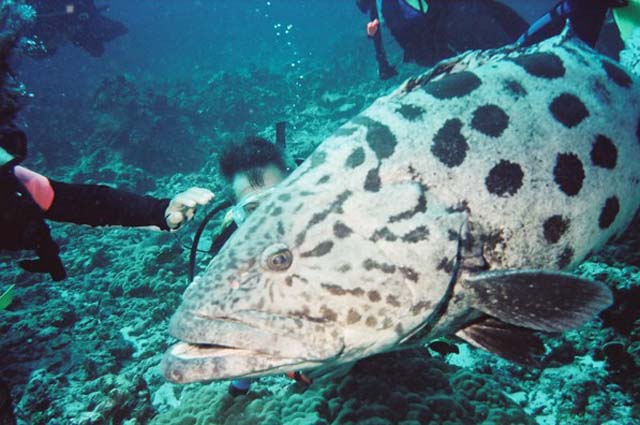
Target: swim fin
627, 18
6, 297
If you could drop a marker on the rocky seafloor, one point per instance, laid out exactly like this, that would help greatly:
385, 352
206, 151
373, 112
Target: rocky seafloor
87, 350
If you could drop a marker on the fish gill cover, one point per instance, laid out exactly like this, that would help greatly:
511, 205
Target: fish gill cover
150, 116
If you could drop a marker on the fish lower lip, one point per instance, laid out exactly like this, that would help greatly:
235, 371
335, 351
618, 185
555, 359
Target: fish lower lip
184, 363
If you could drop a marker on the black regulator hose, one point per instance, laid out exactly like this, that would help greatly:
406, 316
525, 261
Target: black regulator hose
196, 239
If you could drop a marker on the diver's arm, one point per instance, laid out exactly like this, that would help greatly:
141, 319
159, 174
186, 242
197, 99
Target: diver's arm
385, 70
98, 205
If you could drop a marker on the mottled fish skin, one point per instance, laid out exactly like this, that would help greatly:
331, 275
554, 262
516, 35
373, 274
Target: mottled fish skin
528, 160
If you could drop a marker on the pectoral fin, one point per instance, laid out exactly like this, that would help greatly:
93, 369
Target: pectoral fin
536, 299
513, 343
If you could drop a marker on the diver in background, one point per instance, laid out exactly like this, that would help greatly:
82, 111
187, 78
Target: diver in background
252, 168
77, 21
431, 30
586, 16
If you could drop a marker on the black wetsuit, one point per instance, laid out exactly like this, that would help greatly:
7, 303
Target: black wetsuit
587, 20
448, 27
23, 226
77, 21
98, 205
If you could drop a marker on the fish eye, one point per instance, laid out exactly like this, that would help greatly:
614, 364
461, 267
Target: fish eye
277, 258
251, 207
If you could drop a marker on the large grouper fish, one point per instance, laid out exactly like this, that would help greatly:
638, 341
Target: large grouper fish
450, 206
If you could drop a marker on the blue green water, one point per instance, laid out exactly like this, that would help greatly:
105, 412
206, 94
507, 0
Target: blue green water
149, 116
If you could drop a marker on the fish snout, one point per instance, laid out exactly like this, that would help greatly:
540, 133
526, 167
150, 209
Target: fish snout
276, 336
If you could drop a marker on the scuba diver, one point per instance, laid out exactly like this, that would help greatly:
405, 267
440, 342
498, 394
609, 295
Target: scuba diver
431, 30
252, 168
28, 199
587, 18
77, 21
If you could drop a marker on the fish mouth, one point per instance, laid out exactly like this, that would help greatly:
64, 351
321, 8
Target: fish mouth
216, 348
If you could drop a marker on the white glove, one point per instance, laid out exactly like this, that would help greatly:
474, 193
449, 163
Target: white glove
183, 206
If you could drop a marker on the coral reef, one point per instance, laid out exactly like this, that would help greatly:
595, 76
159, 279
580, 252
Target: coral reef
405, 388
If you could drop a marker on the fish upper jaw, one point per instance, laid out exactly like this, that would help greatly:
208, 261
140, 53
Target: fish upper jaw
271, 340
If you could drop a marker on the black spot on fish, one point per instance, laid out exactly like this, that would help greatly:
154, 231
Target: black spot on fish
321, 249
446, 265
379, 138
288, 280
504, 179
617, 74
374, 296
609, 212
416, 235
335, 207
543, 65
341, 230
280, 228
569, 173
372, 182
604, 153
318, 158
453, 235
410, 112
421, 206
269, 207
345, 131
409, 273
392, 301
453, 85
284, 197
568, 110
370, 264
353, 317
371, 321
276, 211
514, 88
387, 323
328, 314
334, 289
420, 307
323, 179
554, 227
490, 120
565, 258
344, 268
577, 56
602, 92
355, 159
384, 234
449, 145
399, 330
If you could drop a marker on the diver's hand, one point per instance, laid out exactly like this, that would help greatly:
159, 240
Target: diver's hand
183, 206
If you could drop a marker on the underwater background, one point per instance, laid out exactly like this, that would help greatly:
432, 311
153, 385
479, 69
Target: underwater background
150, 116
